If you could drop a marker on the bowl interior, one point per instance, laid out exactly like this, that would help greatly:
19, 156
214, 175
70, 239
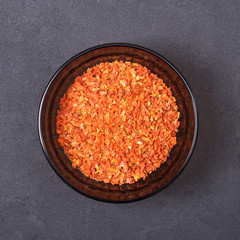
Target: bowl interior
179, 155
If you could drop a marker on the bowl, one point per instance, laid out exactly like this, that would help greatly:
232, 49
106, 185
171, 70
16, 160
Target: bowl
179, 155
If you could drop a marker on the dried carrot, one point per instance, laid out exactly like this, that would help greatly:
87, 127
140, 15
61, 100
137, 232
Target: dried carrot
117, 122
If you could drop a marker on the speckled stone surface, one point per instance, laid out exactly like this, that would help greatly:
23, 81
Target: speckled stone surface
201, 38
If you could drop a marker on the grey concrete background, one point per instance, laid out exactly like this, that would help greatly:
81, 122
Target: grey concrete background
200, 37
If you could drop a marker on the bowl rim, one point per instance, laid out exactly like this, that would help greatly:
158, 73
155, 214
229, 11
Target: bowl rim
118, 45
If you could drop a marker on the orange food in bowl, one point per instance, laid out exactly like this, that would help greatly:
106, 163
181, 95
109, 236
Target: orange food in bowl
117, 122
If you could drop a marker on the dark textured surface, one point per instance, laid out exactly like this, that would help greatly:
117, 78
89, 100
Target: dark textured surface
201, 38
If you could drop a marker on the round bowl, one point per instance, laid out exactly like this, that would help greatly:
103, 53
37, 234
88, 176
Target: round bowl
179, 155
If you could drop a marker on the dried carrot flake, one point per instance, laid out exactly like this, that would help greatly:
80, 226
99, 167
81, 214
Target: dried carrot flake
117, 122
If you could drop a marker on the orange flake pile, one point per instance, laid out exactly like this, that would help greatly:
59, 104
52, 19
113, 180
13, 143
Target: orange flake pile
117, 122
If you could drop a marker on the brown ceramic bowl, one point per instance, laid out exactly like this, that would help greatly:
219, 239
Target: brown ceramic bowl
179, 155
